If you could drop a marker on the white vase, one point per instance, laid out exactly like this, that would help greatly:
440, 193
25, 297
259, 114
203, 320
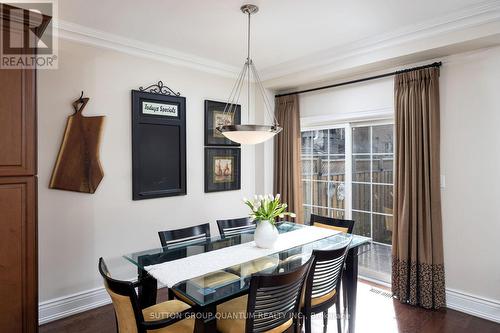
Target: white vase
265, 235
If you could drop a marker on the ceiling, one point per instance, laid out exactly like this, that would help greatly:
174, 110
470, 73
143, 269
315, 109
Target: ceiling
283, 31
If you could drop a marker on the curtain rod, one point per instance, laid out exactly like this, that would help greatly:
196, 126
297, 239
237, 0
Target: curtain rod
434, 64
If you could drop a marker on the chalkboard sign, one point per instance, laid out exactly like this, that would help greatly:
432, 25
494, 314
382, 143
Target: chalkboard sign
158, 145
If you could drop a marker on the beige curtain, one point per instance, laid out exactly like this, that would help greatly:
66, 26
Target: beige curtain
287, 167
417, 241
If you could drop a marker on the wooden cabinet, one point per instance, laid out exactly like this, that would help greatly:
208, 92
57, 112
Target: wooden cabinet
18, 255
18, 188
17, 122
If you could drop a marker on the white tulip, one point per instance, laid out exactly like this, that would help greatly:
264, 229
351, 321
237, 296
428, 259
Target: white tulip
293, 215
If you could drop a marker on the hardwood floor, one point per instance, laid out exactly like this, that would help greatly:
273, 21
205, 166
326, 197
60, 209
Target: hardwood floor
376, 312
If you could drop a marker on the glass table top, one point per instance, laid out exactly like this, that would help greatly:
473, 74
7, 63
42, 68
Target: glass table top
226, 283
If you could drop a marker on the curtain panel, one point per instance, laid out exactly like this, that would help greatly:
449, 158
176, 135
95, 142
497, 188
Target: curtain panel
287, 150
417, 242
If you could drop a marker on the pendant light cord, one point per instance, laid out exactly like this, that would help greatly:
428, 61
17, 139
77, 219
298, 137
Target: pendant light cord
248, 66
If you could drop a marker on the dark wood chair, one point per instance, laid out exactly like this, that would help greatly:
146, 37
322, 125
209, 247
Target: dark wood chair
323, 285
172, 239
272, 304
180, 237
233, 227
331, 223
168, 317
345, 226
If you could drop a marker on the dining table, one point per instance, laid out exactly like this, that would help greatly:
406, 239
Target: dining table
184, 269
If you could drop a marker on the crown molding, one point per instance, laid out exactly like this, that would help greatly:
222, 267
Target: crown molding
454, 22
81, 34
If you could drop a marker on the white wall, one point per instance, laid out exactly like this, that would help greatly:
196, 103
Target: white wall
470, 161
75, 229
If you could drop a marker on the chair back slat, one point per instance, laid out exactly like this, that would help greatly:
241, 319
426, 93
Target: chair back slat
274, 299
233, 227
182, 237
339, 224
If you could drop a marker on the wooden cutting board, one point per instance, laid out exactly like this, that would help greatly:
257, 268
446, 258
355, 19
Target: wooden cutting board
77, 166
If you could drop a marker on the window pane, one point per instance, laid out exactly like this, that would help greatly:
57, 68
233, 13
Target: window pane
307, 166
307, 142
382, 198
361, 224
306, 192
320, 195
361, 197
320, 211
361, 168
320, 142
337, 168
337, 214
382, 139
337, 141
382, 229
320, 167
336, 195
382, 168
307, 214
361, 140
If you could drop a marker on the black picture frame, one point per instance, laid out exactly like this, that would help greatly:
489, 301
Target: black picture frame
214, 109
226, 181
158, 145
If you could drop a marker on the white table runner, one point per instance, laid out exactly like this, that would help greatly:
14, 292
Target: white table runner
172, 272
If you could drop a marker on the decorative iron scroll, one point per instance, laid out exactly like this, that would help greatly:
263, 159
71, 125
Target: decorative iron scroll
159, 88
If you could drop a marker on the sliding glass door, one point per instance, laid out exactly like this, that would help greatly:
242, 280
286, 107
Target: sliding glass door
323, 172
347, 172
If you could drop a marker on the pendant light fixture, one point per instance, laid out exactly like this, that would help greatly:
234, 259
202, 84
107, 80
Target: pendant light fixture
248, 133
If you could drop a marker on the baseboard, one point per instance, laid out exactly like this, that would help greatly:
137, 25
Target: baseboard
473, 305
72, 304
66, 306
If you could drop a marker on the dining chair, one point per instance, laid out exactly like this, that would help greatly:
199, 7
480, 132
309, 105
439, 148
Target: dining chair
232, 227
272, 304
180, 237
332, 223
322, 285
172, 239
345, 226
235, 227
168, 317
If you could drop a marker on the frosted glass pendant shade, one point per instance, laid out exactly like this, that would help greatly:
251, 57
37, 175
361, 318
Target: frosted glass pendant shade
249, 134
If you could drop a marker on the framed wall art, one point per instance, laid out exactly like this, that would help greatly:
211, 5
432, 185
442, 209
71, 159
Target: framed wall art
158, 143
214, 116
222, 169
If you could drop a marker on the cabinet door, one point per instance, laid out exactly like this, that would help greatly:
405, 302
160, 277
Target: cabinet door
18, 256
17, 122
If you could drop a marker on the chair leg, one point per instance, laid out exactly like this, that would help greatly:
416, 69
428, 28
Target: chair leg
338, 315
325, 319
171, 295
344, 297
307, 324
